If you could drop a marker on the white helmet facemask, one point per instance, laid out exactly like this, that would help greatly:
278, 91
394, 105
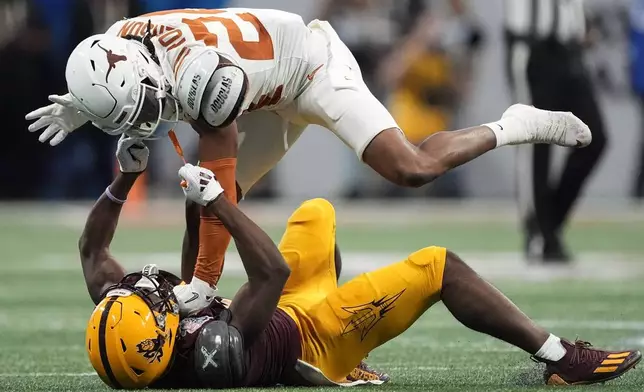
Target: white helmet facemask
120, 87
155, 110
155, 114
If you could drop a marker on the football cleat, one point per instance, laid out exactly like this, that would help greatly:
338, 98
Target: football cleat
365, 373
583, 364
544, 126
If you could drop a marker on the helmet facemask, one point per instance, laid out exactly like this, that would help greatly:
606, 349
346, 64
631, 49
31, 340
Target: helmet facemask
155, 290
154, 111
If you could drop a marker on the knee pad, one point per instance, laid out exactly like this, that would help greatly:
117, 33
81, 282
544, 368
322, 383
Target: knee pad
314, 210
428, 256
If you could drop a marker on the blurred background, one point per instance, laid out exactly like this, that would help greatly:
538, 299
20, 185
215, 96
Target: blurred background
438, 65
455, 78
458, 80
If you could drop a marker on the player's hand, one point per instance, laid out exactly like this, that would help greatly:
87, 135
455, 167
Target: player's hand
194, 296
132, 155
199, 184
147, 281
60, 119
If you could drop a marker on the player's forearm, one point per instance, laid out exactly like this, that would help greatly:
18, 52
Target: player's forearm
190, 247
260, 257
103, 218
217, 152
99, 268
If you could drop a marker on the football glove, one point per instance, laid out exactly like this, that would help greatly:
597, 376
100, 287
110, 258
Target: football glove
194, 296
146, 282
199, 184
61, 118
132, 155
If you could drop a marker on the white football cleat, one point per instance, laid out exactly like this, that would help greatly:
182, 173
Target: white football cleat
547, 127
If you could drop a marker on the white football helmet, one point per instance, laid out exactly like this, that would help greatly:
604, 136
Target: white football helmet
121, 89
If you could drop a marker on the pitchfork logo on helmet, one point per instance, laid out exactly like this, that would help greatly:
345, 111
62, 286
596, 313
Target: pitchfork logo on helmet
152, 348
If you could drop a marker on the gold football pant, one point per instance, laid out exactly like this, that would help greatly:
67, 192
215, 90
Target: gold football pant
339, 326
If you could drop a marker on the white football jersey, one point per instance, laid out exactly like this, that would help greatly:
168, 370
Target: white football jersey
269, 45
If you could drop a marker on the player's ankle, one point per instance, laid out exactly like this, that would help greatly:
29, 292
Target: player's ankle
507, 131
551, 350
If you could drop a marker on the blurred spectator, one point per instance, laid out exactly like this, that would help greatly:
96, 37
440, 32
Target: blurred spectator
12, 17
637, 79
428, 70
86, 157
368, 30
26, 74
416, 55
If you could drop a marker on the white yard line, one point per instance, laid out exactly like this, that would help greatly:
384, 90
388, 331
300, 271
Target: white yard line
505, 265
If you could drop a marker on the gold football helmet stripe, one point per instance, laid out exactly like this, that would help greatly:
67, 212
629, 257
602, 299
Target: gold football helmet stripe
102, 346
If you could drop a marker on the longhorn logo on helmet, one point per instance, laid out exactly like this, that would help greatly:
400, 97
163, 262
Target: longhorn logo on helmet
112, 60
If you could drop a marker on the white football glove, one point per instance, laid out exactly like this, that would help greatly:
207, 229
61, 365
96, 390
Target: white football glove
61, 118
194, 296
146, 282
200, 185
132, 155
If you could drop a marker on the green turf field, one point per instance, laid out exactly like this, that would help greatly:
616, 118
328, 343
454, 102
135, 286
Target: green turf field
44, 306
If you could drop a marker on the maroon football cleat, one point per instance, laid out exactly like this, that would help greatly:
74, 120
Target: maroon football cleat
583, 364
365, 373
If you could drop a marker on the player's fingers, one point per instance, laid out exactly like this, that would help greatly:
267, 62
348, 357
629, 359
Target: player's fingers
139, 144
183, 172
60, 99
40, 123
186, 173
60, 136
139, 153
48, 132
44, 111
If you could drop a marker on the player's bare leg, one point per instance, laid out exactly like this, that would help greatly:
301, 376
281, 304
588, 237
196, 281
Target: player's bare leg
396, 159
481, 307
491, 312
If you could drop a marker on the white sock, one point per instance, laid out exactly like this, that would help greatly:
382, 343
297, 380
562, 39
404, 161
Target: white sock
552, 349
508, 131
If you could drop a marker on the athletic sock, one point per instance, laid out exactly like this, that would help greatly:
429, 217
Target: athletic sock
508, 131
552, 349
213, 236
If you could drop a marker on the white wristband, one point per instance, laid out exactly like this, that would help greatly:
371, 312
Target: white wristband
112, 197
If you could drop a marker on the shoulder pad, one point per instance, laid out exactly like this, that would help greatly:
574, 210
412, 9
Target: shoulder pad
219, 356
194, 78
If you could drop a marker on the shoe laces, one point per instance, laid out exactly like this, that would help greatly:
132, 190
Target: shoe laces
365, 372
584, 353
